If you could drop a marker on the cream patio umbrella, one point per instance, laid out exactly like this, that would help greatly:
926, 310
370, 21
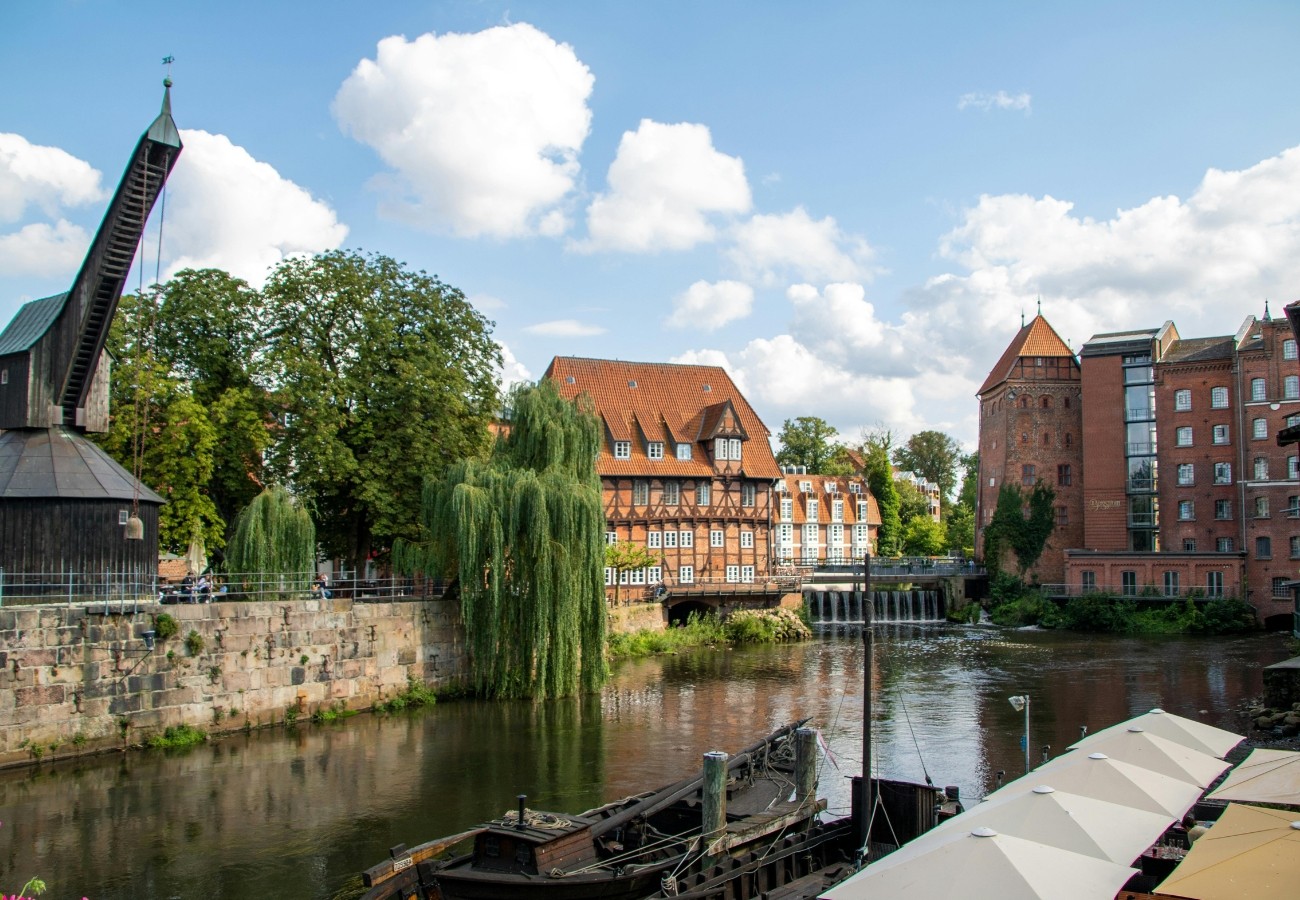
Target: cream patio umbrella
1249, 853
1098, 776
1266, 776
1072, 822
1140, 747
984, 865
1188, 732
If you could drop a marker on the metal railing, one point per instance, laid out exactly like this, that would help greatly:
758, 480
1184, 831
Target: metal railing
123, 590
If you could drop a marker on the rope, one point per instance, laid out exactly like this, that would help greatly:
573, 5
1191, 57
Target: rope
915, 742
539, 820
137, 439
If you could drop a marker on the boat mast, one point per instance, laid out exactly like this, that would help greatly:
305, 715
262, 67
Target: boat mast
865, 793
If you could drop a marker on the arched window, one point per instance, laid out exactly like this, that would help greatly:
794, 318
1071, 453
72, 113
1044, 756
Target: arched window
1068, 439
1047, 402
1024, 403
1067, 402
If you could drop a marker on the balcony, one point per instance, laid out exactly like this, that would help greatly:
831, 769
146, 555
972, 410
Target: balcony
1141, 520
1139, 414
1140, 485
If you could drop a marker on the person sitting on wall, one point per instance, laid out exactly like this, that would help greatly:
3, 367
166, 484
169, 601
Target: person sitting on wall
203, 590
321, 587
187, 588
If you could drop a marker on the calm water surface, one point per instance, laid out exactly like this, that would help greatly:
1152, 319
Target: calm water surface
300, 814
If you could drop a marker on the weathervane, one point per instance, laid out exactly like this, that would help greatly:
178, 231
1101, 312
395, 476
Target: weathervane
167, 61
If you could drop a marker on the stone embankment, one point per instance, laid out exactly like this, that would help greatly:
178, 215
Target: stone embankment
77, 679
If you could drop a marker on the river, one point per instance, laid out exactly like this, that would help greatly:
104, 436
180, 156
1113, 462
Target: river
299, 814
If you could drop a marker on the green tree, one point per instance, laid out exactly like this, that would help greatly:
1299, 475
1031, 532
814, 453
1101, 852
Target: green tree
275, 539
807, 441
961, 515
934, 456
212, 334
381, 376
158, 430
923, 536
625, 557
880, 479
912, 503
523, 533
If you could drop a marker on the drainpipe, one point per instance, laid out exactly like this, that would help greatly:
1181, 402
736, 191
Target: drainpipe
1241, 461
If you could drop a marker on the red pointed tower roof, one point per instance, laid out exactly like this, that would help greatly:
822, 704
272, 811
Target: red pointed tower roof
1035, 339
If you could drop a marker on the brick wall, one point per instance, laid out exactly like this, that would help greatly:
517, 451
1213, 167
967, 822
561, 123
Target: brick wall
1105, 501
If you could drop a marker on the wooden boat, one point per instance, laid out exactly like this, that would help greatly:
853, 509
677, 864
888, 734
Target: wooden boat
624, 849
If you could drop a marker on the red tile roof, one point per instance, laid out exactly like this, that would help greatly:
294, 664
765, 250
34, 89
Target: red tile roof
1035, 339
642, 402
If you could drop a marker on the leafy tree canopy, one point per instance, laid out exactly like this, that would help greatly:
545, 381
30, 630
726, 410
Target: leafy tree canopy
381, 375
807, 441
912, 503
923, 536
524, 535
934, 456
880, 479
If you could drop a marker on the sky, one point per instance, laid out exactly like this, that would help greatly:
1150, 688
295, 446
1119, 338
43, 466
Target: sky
848, 205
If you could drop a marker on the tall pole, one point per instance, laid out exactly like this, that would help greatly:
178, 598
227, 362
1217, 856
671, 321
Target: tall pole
865, 792
1026, 734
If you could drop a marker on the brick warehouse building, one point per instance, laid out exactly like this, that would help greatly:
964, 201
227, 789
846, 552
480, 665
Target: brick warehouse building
686, 467
1184, 487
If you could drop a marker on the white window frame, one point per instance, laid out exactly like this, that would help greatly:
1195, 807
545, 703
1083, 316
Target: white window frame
684, 451
814, 513
735, 449
1258, 389
1219, 434
835, 536
1182, 400
640, 492
1289, 349
733, 574
686, 539
748, 494
720, 449
703, 492
654, 574
1261, 468
655, 450
654, 540
1292, 468
637, 576
1183, 436
609, 576
746, 574
1218, 398
1259, 428
611, 538
1186, 473
670, 540
672, 493
686, 574
1291, 387
1186, 510
717, 538
1223, 473
787, 509
837, 510
622, 449
746, 540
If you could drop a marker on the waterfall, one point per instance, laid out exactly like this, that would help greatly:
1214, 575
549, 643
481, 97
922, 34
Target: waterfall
836, 607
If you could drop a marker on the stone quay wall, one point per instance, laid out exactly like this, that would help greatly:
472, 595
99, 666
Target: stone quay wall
77, 679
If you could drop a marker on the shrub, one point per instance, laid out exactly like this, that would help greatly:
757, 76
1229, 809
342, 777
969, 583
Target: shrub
164, 626
417, 694
194, 643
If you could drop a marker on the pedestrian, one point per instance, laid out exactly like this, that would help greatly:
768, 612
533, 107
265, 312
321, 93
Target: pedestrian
321, 587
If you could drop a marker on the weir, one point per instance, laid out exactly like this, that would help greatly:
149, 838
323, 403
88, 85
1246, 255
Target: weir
845, 607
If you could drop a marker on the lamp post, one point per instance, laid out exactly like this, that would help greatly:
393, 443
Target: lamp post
1021, 702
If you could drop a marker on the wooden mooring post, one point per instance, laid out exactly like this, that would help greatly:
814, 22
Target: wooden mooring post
713, 809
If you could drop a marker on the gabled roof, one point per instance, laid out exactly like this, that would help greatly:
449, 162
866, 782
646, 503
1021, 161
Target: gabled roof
1035, 339
1199, 350
668, 402
821, 490
31, 322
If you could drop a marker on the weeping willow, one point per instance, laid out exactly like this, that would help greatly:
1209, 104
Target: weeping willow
523, 534
274, 544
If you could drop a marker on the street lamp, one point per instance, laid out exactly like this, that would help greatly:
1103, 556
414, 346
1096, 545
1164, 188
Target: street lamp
1021, 702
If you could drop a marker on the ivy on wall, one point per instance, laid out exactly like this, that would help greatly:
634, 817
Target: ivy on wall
1021, 525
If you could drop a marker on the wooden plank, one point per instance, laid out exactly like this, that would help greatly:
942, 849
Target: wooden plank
388, 868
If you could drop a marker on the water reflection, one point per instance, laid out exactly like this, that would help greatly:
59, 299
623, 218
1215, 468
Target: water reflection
298, 815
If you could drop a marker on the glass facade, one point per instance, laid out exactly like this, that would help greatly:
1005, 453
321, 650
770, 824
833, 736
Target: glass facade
1141, 485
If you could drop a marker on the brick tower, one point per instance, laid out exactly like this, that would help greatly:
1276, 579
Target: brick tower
1031, 429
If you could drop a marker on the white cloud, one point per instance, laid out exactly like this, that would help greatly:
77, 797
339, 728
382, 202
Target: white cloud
663, 181
45, 177
565, 328
482, 130
710, 306
228, 210
1001, 100
43, 249
512, 370
792, 246
487, 302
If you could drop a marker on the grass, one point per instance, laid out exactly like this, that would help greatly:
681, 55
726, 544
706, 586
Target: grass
417, 694
177, 736
332, 714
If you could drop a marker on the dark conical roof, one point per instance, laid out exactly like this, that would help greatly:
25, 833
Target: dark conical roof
56, 462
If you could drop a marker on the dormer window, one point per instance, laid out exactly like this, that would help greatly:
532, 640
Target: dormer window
721, 450
832, 487
622, 449
805, 486
655, 450
683, 451
735, 449
855, 488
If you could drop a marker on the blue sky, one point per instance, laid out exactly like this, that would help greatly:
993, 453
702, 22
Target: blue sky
848, 205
